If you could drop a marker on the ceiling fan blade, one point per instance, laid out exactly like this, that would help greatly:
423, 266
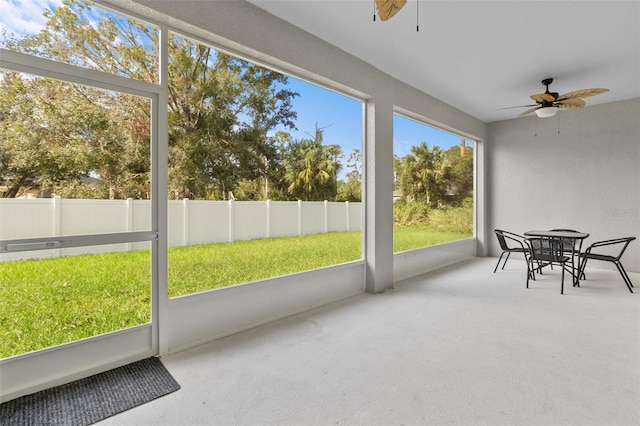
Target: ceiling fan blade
529, 111
388, 8
537, 98
571, 103
582, 93
519, 106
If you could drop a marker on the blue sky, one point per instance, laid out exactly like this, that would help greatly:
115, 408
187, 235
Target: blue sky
24, 16
339, 116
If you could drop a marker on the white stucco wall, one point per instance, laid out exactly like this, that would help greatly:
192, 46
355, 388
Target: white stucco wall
585, 178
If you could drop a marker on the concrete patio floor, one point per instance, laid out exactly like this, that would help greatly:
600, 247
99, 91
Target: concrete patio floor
459, 346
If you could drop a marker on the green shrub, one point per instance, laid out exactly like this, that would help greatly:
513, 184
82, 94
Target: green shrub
410, 213
456, 219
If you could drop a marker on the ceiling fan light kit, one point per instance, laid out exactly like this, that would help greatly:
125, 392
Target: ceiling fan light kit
546, 112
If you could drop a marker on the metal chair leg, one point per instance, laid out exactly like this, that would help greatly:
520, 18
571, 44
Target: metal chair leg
498, 264
505, 260
625, 277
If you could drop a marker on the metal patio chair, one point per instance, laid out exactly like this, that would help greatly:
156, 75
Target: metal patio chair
570, 247
622, 244
543, 252
517, 245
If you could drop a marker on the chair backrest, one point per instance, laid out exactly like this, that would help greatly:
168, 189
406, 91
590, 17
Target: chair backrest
626, 244
624, 241
501, 239
503, 236
546, 249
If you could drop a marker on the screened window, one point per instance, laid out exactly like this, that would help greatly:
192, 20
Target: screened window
76, 214
265, 172
433, 185
74, 161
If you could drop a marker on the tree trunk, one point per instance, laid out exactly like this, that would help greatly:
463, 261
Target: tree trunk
15, 188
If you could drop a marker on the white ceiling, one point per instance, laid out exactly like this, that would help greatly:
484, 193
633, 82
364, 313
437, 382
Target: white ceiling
479, 56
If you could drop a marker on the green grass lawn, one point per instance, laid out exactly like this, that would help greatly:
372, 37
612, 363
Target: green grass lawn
53, 301
417, 236
204, 267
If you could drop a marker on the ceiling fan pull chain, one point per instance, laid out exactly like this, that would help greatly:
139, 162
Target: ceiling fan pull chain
558, 123
535, 128
374, 10
417, 15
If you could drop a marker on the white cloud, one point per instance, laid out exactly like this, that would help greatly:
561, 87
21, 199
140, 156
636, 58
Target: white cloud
24, 17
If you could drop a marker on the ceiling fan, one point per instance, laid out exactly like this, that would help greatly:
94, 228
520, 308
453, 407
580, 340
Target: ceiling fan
548, 103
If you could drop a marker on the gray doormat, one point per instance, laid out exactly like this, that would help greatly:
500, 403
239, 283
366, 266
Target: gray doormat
92, 399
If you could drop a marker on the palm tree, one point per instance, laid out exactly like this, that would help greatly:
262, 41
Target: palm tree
312, 169
424, 173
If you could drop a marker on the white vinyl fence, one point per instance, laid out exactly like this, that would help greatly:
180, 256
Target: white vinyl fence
189, 222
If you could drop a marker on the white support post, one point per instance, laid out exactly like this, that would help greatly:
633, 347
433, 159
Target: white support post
231, 220
326, 216
299, 217
129, 220
346, 204
185, 221
159, 209
57, 221
378, 183
268, 206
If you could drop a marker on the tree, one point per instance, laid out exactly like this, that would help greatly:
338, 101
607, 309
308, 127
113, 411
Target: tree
104, 134
351, 190
423, 175
220, 107
81, 34
461, 175
53, 134
211, 148
312, 169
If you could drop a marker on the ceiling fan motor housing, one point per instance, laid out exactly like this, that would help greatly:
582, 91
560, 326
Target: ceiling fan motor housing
554, 95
